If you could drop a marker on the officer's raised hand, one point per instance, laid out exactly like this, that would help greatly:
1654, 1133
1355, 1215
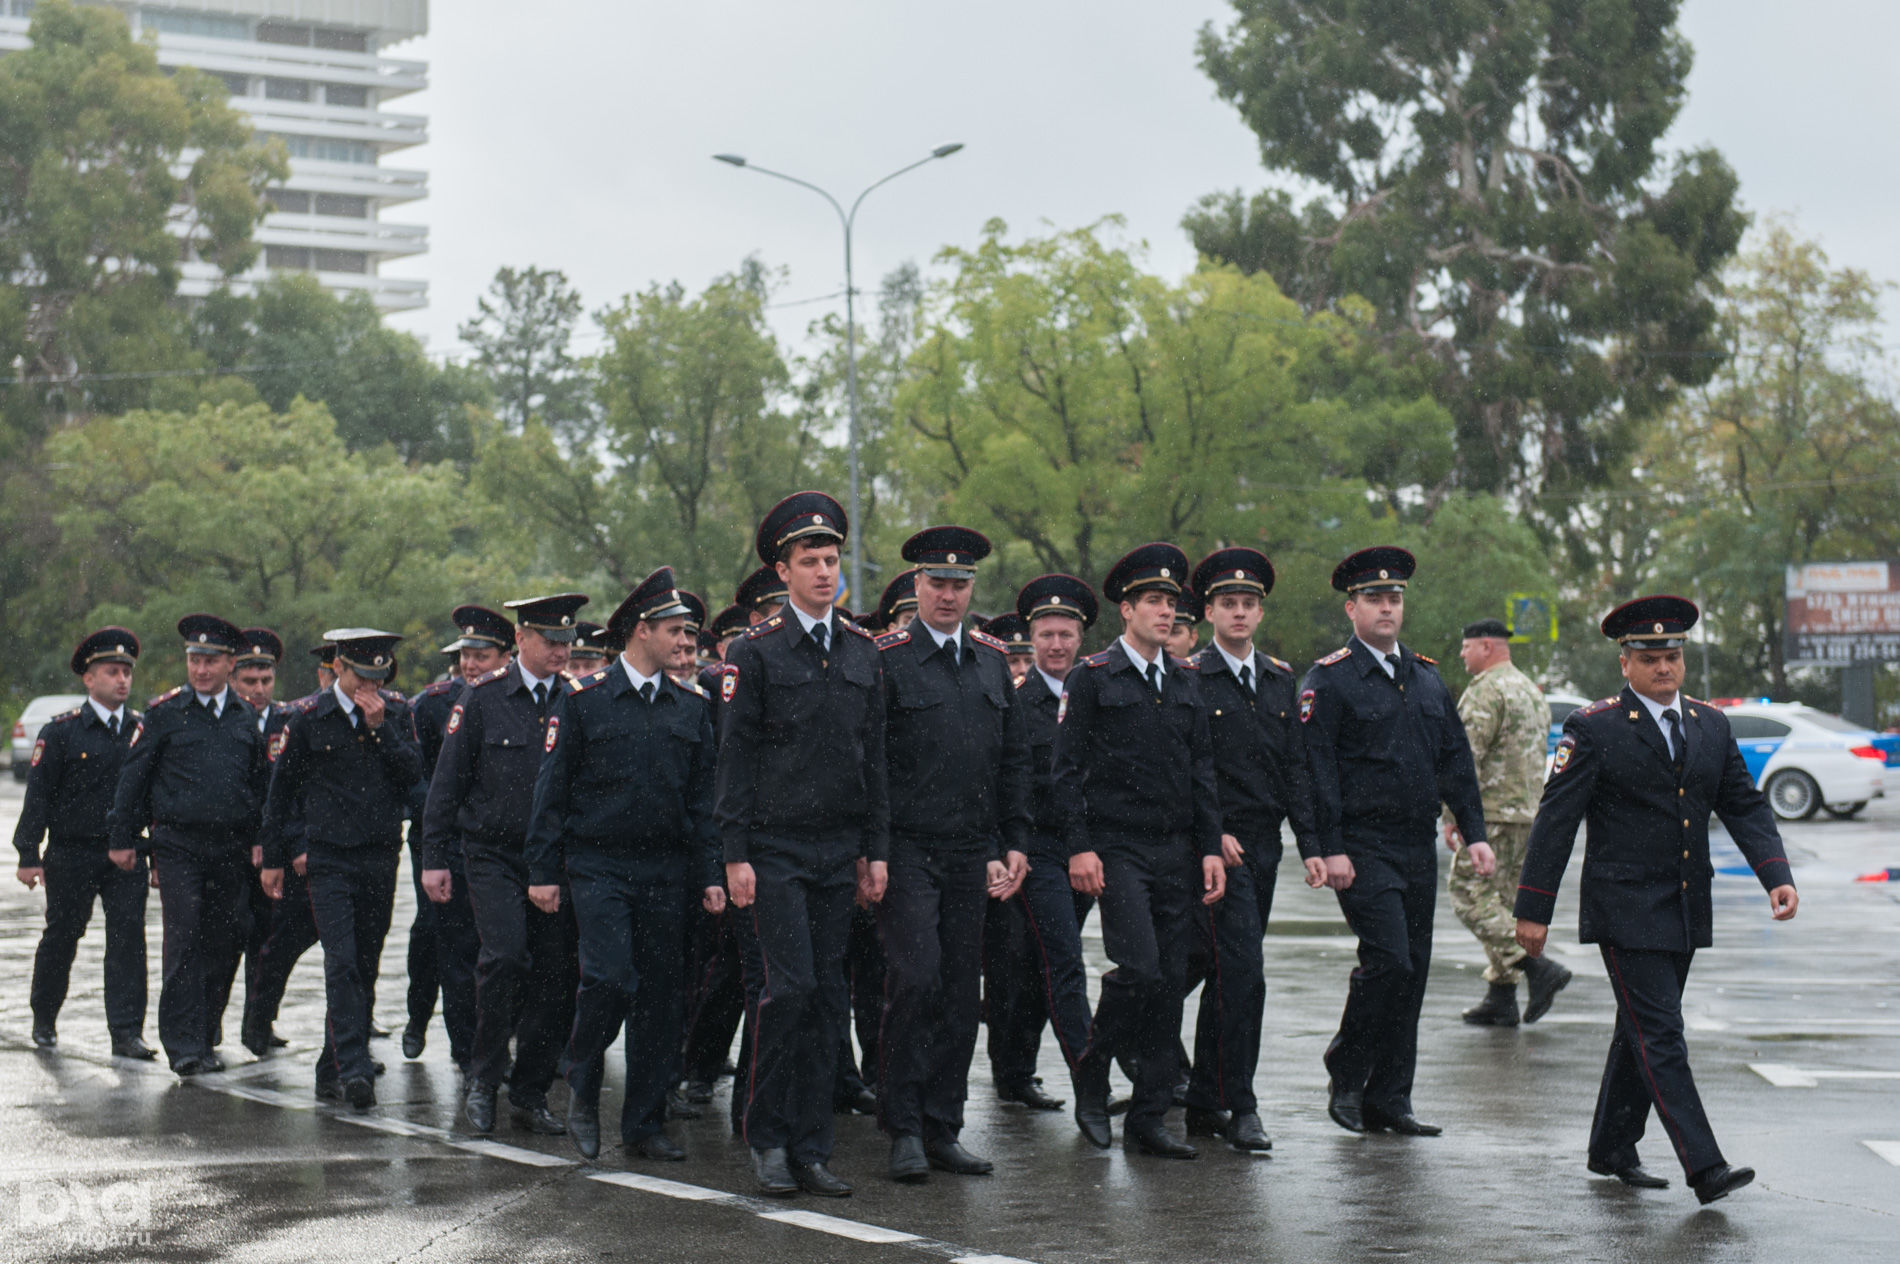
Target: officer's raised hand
369, 700
547, 899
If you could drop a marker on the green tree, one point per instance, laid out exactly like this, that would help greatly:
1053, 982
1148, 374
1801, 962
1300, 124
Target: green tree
1489, 179
99, 150
521, 332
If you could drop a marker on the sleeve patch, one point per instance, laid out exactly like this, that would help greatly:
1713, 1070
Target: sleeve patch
1062, 707
455, 718
554, 733
728, 682
137, 733
278, 741
39, 750
1306, 705
1561, 760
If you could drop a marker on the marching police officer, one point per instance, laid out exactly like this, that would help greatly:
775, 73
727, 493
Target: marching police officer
481, 794
760, 595
1010, 629
803, 813
1136, 800
623, 816
1385, 748
1037, 975
195, 776
1187, 624
685, 665
69, 788
254, 679
958, 756
589, 653
898, 604
1260, 762
348, 761
1645, 769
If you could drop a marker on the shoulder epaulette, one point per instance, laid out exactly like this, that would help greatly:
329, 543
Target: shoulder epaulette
694, 687
849, 626
1018, 682
440, 687
1100, 660
168, 695
1603, 704
1280, 663
891, 640
63, 716
1337, 656
392, 695
1185, 664
490, 678
1429, 662
770, 625
581, 683
984, 638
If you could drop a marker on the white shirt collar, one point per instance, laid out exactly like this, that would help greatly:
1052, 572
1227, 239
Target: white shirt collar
534, 680
216, 701
808, 623
105, 716
348, 703
953, 637
638, 680
1055, 686
1136, 657
1235, 664
1656, 710
1391, 672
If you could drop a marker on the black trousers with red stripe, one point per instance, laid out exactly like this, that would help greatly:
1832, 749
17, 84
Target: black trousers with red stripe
1227, 965
1649, 1064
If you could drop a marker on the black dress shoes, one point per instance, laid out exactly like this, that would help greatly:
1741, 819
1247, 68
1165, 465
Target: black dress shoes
414, 1040
908, 1162
377, 1031
1633, 1174
1157, 1141
278, 1042
1719, 1182
1091, 1116
948, 1155
258, 1038
1346, 1107
657, 1145
679, 1106
1497, 1009
858, 1101
1403, 1122
816, 1178
698, 1092
44, 1037
360, 1092
1206, 1123
583, 1129
1243, 1132
329, 1091
1030, 1095
773, 1173
128, 1045
187, 1067
211, 1064
479, 1106
537, 1118
1119, 1105
1546, 979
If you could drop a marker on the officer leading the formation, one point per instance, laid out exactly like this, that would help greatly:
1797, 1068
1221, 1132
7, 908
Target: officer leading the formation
1385, 748
195, 777
958, 755
1646, 769
623, 818
69, 789
348, 761
804, 818
1136, 799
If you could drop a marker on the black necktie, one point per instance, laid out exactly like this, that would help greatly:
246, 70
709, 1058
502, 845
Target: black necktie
541, 698
1246, 678
1675, 737
646, 691
1393, 659
818, 631
1154, 677
952, 646
112, 725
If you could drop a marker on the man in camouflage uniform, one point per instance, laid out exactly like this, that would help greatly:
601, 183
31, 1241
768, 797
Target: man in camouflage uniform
1505, 715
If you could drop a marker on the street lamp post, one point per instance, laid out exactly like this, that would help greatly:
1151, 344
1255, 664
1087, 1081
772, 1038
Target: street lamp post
848, 219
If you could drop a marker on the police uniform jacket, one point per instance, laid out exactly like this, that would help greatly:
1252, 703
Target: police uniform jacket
199, 779
1259, 750
626, 776
430, 709
69, 786
483, 785
1384, 753
1040, 707
801, 750
1646, 867
336, 782
956, 743
1132, 768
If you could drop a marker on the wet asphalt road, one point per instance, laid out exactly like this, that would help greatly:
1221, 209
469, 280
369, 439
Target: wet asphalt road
1795, 1037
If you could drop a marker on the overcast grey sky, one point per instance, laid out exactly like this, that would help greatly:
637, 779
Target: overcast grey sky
577, 134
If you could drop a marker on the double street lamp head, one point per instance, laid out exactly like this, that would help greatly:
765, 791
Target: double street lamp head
941, 151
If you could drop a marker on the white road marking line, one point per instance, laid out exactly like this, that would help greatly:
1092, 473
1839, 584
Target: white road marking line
856, 1230
498, 1150
1888, 1150
1783, 1076
664, 1188
987, 1259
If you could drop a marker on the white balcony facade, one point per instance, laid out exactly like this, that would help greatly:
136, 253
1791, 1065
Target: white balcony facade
310, 73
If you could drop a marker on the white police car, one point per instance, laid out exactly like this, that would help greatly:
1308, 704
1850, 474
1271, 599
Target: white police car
1807, 760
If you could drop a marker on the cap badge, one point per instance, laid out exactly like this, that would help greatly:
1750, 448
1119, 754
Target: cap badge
469, 631
1055, 601
818, 519
202, 638
1385, 575
380, 660
566, 619
1164, 573
1240, 574
118, 649
1658, 627
952, 557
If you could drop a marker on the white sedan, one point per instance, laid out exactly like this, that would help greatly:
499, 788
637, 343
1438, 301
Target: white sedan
26, 730
1807, 760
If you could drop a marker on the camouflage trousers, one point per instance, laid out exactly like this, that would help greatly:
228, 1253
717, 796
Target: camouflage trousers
1487, 905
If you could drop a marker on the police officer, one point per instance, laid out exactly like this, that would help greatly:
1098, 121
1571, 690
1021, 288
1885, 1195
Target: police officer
348, 762
1136, 800
1034, 974
684, 668
803, 814
195, 776
1508, 722
623, 817
760, 595
1645, 769
1385, 748
589, 653
451, 945
726, 625
481, 794
958, 755
1010, 629
254, 679
1187, 624
1260, 762
69, 788
325, 654
898, 604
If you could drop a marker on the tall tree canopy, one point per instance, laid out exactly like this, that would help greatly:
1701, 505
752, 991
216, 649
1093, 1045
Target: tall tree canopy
1489, 179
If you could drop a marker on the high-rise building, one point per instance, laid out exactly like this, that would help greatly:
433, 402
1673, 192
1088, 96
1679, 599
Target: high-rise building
312, 73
